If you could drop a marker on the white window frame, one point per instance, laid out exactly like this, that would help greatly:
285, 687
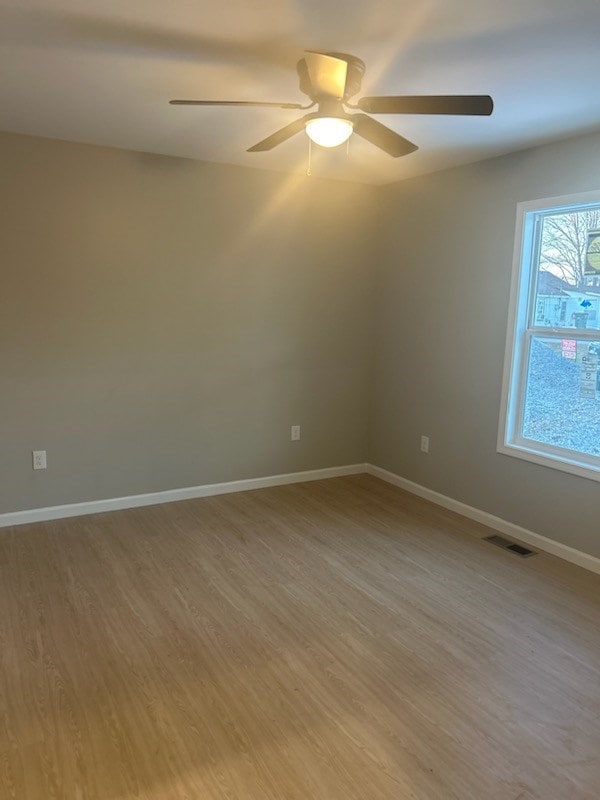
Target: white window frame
519, 334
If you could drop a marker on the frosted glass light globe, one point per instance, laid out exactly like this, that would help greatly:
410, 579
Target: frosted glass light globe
329, 131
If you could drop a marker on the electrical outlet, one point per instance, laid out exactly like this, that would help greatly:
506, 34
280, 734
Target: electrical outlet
424, 444
295, 433
39, 459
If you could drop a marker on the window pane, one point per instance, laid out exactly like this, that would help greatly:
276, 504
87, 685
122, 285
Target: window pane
568, 271
562, 394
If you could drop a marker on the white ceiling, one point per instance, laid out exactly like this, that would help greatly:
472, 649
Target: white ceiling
103, 71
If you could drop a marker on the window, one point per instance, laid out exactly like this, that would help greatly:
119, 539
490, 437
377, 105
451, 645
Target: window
551, 393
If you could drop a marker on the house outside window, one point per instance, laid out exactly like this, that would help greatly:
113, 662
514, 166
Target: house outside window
550, 411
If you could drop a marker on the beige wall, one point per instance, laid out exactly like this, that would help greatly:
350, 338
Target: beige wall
163, 322
442, 297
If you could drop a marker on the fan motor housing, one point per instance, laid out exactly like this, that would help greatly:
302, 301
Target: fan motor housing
356, 70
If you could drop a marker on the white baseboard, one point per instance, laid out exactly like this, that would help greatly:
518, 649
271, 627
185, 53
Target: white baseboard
210, 489
497, 523
173, 495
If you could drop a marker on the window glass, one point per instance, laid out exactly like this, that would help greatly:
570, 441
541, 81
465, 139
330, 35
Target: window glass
568, 285
562, 394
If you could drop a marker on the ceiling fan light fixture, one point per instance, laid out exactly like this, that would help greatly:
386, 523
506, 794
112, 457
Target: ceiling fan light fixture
329, 80
329, 131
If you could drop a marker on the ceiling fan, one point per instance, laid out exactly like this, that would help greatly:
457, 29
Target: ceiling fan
330, 80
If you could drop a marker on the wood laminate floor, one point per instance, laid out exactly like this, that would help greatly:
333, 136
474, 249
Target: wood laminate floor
337, 640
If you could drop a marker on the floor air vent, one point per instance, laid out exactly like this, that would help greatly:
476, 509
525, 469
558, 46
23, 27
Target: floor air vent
506, 544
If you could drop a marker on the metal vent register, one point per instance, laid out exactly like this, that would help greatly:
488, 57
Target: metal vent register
506, 544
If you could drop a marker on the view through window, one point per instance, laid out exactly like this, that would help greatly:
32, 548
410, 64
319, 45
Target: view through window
553, 398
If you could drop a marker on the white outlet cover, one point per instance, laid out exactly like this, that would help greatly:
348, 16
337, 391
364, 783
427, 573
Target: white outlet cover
39, 459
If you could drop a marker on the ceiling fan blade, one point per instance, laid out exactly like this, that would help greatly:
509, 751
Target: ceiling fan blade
479, 105
382, 137
327, 74
280, 136
232, 103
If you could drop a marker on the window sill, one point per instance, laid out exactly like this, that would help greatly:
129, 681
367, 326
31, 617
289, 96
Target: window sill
555, 461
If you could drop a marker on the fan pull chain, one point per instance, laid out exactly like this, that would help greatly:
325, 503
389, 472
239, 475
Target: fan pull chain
309, 170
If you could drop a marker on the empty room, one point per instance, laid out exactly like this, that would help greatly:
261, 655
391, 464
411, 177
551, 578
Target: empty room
299, 400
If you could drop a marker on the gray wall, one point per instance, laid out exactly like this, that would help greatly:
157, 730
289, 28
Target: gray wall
442, 295
163, 322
